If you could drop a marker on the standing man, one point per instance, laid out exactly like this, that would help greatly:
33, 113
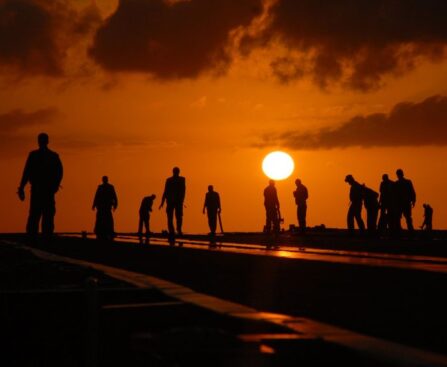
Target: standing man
174, 195
301, 195
145, 214
212, 206
387, 204
371, 201
105, 200
271, 204
43, 170
355, 208
406, 199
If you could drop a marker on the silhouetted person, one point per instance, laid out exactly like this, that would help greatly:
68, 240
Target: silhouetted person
212, 206
271, 204
406, 199
43, 170
355, 208
428, 218
174, 195
371, 201
387, 202
145, 214
301, 195
105, 200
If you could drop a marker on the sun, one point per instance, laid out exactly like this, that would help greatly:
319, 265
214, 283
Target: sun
278, 165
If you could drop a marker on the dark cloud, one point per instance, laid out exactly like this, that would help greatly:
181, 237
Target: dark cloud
19, 128
18, 120
36, 34
408, 124
175, 39
354, 42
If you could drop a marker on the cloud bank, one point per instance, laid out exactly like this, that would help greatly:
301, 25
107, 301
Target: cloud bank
35, 35
356, 44
180, 39
353, 42
408, 124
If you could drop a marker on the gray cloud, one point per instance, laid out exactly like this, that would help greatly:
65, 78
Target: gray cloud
408, 124
353, 42
176, 39
36, 34
14, 121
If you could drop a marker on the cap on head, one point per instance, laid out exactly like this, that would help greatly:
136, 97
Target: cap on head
105, 179
400, 173
298, 181
43, 139
176, 171
349, 178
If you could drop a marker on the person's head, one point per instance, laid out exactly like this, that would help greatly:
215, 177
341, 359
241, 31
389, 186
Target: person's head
176, 171
271, 183
349, 179
385, 177
43, 140
297, 182
399, 173
105, 179
153, 196
210, 188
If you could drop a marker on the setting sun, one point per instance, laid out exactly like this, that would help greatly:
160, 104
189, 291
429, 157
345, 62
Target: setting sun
278, 165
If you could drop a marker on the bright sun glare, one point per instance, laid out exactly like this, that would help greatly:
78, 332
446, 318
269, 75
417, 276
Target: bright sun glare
278, 165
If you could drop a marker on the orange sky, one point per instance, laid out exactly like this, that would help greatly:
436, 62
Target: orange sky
135, 125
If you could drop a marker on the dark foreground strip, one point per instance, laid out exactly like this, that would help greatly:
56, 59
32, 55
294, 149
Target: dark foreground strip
378, 349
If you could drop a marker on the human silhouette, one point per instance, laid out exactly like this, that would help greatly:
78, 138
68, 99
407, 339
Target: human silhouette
355, 208
371, 201
406, 199
387, 202
301, 195
44, 171
174, 195
271, 204
212, 206
145, 213
105, 200
428, 218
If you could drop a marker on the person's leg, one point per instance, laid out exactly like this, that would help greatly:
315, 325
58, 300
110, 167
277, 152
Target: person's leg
170, 214
358, 217
179, 217
212, 221
140, 226
350, 218
146, 225
35, 213
48, 213
408, 218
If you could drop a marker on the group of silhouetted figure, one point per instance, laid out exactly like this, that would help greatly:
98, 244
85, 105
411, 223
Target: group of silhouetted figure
44, 171
395, 200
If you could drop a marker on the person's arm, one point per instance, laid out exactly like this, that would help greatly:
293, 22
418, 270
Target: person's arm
183, 190
413, 194
25, 178
163, 199
59, 173
95, 199
219, 208
205, 203
115, 198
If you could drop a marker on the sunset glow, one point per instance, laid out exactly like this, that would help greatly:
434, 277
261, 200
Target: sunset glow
128, 91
